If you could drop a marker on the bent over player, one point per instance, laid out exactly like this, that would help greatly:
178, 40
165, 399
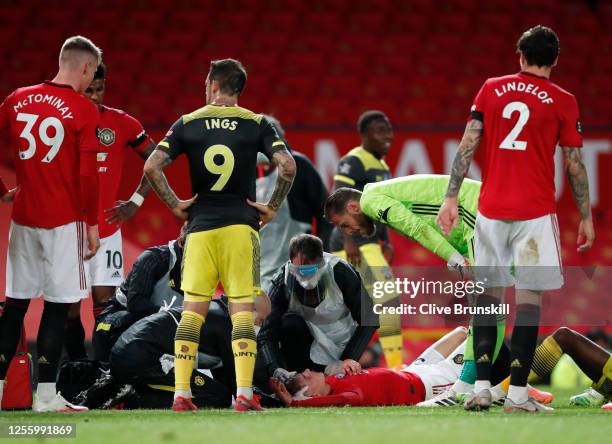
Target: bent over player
52, 130
221, 142
409, 205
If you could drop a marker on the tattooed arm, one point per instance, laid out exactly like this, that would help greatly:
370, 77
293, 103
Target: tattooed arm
124, 210
286, 173
448, 216
153, 171
579, 181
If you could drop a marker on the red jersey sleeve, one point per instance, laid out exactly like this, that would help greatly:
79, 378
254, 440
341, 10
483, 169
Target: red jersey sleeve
138, 138
3, 188
88, 151
339, 400
571, 128
478, 105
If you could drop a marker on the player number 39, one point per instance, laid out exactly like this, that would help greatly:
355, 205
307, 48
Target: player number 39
224, 169
54, 142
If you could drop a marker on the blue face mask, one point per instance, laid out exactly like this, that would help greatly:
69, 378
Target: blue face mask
307, 275
308, 270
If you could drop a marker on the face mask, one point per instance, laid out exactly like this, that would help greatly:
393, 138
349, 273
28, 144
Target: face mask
307, 276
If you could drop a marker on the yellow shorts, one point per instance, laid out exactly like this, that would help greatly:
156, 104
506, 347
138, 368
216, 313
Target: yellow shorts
230, 254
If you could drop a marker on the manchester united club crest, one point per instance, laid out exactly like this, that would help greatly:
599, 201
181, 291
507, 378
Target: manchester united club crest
106, 136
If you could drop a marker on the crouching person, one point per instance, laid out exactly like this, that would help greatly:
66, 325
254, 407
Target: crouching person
321, 314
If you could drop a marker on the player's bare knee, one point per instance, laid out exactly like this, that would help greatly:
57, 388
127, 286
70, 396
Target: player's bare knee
102, 294
564, 337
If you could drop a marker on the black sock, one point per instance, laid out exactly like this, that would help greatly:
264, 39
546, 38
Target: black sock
74, 340
51, 339
523, 343
501, 367
11, 326
485, 337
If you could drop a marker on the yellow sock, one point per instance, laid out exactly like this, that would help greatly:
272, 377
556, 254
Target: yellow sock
546, 356
392, 346
244, 347
604, 385
186, 344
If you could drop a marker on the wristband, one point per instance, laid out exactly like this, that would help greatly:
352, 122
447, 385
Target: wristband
137, 199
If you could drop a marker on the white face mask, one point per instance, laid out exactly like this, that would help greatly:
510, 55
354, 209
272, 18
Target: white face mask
308, 276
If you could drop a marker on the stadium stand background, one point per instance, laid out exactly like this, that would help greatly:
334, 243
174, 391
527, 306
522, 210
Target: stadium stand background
316, 66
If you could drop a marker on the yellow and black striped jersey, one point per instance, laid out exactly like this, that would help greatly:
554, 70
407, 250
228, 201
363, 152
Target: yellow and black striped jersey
356, 169
360, 167
221, 144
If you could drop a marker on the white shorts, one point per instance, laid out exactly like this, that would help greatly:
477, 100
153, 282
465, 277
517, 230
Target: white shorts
106, 267
437, 373
521, 253
47, 262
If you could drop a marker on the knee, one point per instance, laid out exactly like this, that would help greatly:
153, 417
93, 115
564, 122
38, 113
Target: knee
17, 304
563, 336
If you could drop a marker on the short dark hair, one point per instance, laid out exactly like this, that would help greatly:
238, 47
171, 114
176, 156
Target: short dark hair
337, 201
293, 386
308, 246
368, 117
230, 74
539, 45
83, 44
276, 125
100, 73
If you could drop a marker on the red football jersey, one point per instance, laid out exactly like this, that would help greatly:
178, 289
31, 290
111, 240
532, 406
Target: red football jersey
372, 387
118, 132
524, 117
52, 131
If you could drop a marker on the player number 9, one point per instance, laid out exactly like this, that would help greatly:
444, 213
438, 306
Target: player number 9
54, 142
224, 169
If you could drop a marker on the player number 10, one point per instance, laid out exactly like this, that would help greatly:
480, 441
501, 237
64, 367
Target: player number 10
54, 142
224, 169
510, 142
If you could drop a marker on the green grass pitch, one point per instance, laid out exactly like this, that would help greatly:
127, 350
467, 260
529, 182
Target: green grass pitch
332, 425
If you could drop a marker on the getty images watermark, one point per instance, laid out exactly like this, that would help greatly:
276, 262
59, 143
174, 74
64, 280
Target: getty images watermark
434, 296
384, 290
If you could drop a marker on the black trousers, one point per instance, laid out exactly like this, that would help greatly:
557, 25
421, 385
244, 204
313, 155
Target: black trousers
110, 324
295, 342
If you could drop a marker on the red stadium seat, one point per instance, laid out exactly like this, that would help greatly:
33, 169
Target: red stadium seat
454, 24
279, 21
408, 24
310, 44
348, 64
294, 85
270, 42
365, 22
308, 64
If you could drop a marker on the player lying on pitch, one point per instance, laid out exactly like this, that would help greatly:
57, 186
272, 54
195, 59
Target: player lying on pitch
434, 371
416, 383
592, 359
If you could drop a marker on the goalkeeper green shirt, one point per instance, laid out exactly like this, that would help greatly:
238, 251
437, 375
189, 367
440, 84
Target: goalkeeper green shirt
410, 205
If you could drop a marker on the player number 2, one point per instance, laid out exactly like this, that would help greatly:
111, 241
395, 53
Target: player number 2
224, 169
54, 142
510, 142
